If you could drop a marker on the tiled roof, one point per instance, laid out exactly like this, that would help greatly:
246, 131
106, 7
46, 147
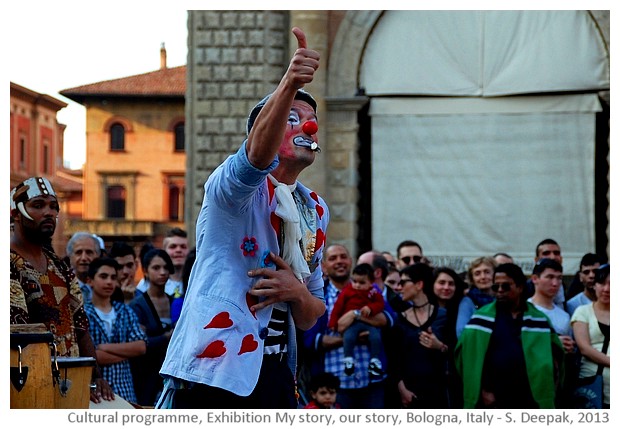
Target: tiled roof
69, 181
167, 82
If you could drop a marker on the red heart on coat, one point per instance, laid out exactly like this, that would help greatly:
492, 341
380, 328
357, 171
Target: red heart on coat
320, 239
250, 301
213, 350
319, 210
275, 222
249, 344
221, 320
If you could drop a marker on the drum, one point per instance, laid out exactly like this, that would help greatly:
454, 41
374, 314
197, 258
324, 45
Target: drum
72, 387
38, 382
31, 373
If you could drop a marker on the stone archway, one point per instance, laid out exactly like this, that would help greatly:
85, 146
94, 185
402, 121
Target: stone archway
343, 103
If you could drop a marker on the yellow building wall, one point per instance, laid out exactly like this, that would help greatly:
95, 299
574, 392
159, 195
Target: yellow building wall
149, 152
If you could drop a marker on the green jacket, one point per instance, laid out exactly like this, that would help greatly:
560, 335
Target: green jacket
542, 348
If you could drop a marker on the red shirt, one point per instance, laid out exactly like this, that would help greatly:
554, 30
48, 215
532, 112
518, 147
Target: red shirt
354, 299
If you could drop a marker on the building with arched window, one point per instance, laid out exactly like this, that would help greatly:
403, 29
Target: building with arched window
134, 174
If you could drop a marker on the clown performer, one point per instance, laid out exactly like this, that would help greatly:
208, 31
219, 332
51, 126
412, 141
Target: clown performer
259, 240
44, 288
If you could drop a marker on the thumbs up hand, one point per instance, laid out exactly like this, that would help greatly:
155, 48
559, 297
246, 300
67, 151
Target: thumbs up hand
304, 63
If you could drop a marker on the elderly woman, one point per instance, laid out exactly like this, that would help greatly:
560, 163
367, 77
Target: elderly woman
590, 324
479, 278
508, 354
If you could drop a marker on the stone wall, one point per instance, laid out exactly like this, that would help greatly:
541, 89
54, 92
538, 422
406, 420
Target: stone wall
234, 59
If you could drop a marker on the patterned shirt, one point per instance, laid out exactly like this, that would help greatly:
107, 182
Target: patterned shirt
87, 292
52, 298
334, 358
125, 329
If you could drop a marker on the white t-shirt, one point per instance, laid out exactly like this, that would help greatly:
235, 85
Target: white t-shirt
576, 301
560, 319
107, 319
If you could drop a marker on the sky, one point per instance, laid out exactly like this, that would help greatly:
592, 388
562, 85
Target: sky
63, 47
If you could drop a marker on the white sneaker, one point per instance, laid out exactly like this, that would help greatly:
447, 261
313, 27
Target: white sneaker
375, 368
349, 366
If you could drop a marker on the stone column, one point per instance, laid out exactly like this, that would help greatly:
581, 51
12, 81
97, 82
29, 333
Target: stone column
314, 24
342, 131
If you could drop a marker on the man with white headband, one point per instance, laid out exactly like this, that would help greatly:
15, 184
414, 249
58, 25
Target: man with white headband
43, 288
257, 276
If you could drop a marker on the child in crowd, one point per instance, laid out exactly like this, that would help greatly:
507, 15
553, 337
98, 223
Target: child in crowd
323, 389
365, 300
114, 327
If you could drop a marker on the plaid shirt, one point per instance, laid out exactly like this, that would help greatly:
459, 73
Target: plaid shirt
334, 358
126, 329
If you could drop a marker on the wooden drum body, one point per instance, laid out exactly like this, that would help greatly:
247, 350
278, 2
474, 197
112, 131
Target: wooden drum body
73, 388
32, 384
38, 379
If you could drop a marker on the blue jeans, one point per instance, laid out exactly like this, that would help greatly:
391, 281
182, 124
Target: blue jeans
352, 333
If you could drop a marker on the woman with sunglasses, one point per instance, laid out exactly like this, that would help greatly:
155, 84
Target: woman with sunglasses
508, 353
590, 324
417, 351
479, 279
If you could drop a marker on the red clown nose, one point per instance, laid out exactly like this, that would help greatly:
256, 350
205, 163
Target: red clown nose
310, 128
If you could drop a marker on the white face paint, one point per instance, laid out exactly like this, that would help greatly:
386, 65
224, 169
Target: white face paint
293, 118
302, 141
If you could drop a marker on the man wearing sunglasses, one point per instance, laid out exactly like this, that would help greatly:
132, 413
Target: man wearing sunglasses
408, 253
508, 353
581, 290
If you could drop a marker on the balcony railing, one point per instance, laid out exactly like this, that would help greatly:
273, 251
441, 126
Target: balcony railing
119, 227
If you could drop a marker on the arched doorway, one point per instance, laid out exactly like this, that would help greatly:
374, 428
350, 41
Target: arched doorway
482, 138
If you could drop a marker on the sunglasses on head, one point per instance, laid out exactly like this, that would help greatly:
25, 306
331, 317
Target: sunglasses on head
407, 259
504, 286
